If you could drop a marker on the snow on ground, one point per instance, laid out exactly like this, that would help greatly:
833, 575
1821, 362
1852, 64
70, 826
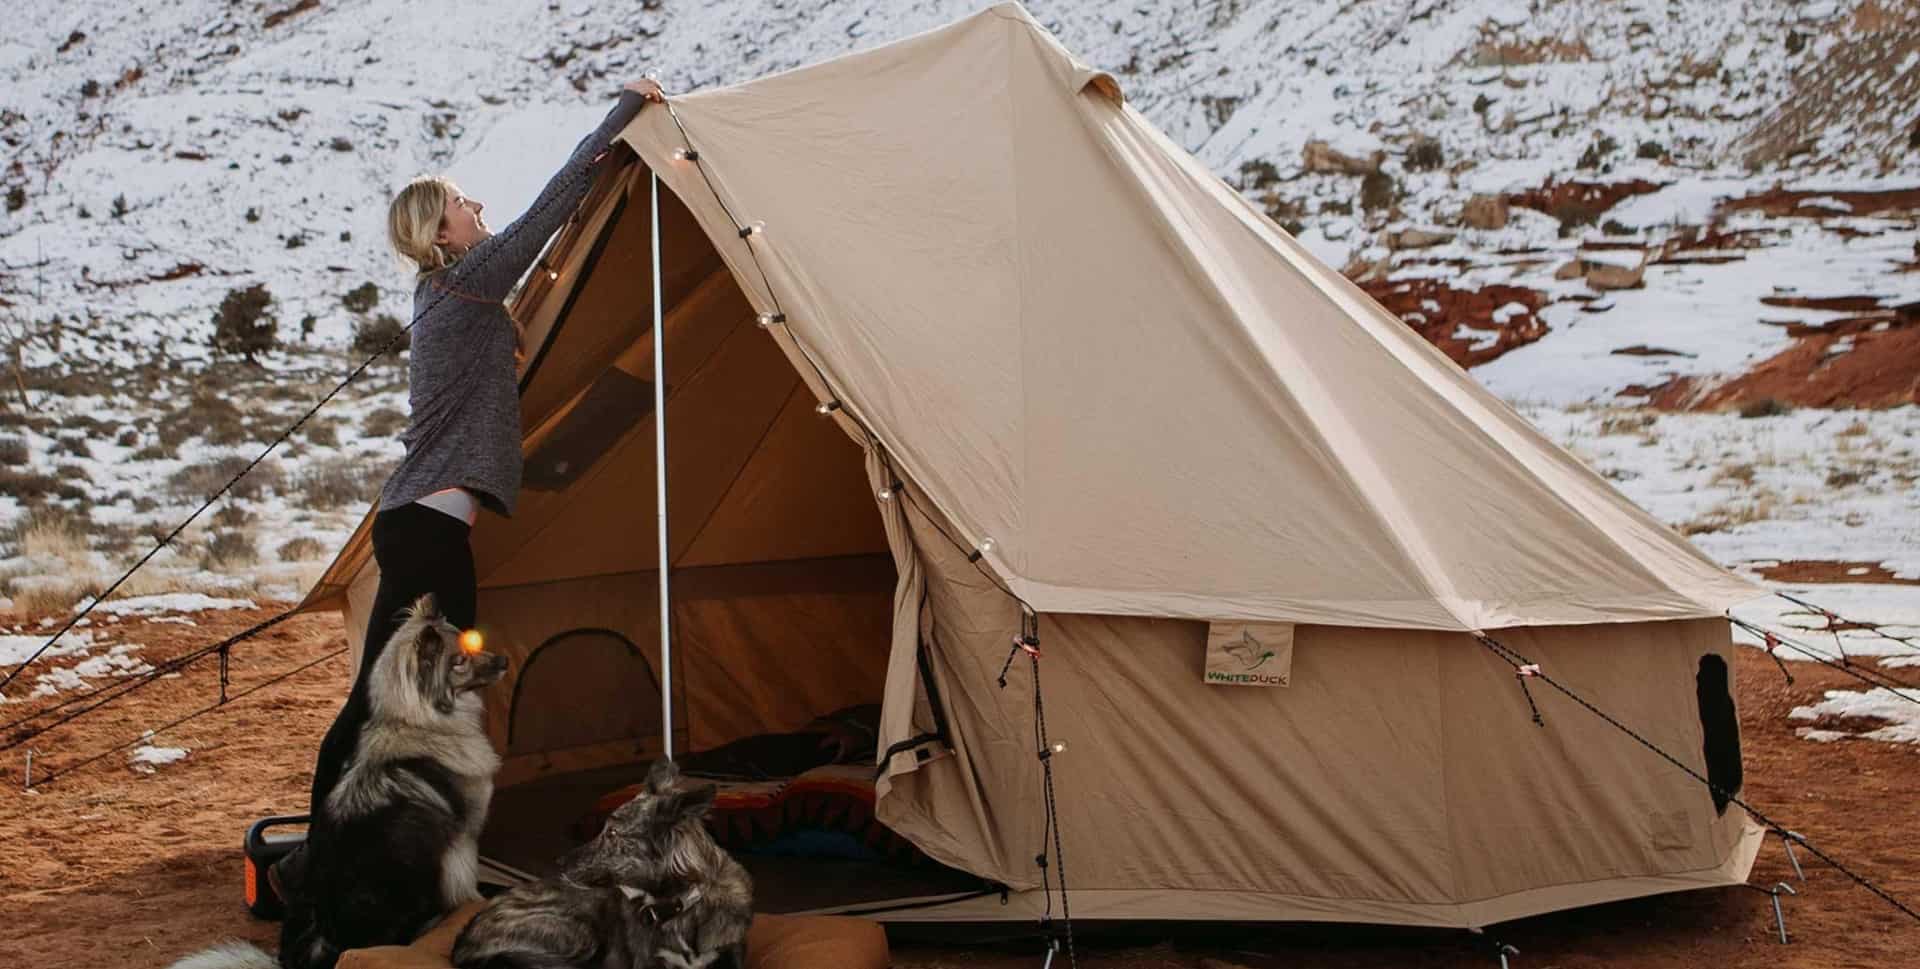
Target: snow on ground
165, 154
146, 757
169, 602
1899, 708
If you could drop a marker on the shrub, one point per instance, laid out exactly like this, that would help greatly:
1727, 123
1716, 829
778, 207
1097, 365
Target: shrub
372, 336
245, 325
338, 483
361, 298
14, 451
302, 549
385, 422
1651, 150
231, 515
76, 446
1378, 191
212, 418
229, 550
1765, 407
16, 198
199, 481
26, 484
128, 437
119, 206
1425, 155
322, 432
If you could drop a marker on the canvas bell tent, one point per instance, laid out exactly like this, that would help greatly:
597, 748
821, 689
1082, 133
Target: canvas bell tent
949, 327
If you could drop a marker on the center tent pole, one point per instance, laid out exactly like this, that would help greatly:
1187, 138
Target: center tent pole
660, 485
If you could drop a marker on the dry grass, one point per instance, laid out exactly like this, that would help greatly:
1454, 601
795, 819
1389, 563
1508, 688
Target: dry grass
1741, 474
1733, 514
1630, 422
1856, 429
14, 452
52, 536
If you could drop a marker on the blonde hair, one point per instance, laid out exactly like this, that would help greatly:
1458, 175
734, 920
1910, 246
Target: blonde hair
413, 221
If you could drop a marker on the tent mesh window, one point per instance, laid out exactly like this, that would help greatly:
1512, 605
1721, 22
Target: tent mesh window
1720, 726
599, 677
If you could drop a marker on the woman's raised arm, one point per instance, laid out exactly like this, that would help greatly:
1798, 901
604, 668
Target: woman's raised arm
493, 266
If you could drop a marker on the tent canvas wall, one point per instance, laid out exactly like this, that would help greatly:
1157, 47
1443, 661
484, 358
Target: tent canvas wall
1069, 346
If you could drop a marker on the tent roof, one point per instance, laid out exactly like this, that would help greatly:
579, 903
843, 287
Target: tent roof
1081, 344
1073, 339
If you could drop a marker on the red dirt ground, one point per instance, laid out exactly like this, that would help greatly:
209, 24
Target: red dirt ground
109, 867
1882, 370
1408, 298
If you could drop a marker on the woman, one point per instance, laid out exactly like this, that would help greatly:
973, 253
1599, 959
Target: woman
463, 438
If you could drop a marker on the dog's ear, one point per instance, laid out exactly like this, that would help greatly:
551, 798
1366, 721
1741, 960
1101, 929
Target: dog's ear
425, 608
687, 805
429, 657
661, 776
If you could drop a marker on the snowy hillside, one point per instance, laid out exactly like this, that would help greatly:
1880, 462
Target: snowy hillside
1679, 203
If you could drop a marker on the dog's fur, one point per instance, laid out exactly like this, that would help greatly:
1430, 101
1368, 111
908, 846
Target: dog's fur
395, 847
652, 889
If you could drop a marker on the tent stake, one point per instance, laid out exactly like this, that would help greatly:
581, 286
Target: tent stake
660, 484
1788, 838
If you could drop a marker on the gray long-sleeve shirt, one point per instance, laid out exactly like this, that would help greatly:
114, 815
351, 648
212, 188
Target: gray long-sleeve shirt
464, 430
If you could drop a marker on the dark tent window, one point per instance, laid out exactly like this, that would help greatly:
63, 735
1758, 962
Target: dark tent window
1721, 728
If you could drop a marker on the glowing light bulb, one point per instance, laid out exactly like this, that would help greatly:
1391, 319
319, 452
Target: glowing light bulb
1058, 747
827, 407
886, 494
685, 154
472, 642
753, 229
986, 545
768, 320
553, 274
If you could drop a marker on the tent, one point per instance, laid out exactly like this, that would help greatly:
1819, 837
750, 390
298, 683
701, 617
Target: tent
949, 329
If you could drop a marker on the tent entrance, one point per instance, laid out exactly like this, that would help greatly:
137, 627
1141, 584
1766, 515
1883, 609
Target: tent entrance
782, 580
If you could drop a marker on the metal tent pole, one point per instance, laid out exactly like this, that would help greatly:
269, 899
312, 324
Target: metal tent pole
660, 484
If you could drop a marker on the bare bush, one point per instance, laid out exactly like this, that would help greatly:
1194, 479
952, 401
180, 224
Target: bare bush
229, 550
302, 549
199, 481
338, 483
385, 422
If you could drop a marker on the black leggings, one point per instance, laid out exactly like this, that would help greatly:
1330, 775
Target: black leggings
420, 551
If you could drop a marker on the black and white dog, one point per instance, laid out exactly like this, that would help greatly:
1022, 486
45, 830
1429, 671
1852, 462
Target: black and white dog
395, 847
652, 891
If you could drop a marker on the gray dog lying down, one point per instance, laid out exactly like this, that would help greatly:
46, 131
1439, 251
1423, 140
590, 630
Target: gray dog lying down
653, 889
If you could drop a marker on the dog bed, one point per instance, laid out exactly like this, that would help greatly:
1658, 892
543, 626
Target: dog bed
826, 812
774, 942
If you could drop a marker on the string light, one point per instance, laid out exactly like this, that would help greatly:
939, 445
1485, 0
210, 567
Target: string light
1057, 747
827, 407
886, 494
553, 274
753, 229
770, 320
685, 154
986, 545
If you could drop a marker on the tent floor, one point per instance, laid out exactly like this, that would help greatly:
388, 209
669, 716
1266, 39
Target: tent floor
527, 829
